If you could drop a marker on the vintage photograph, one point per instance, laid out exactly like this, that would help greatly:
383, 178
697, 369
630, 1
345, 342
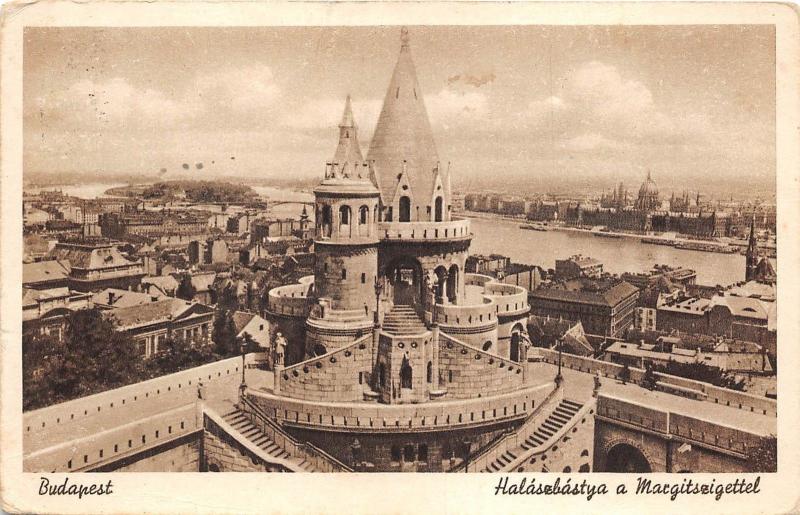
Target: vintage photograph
387, 248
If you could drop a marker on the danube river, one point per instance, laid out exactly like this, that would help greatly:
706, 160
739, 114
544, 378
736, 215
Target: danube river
617, 254
535, 247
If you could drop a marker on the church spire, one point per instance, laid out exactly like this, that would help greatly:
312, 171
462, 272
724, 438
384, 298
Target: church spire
751, 258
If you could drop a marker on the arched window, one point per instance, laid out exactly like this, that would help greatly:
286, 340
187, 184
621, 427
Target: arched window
487, 345
326, 220
363, 214
405, 209
429, 373
438, 209
344, 215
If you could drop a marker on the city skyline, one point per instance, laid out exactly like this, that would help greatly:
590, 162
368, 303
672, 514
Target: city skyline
572, 110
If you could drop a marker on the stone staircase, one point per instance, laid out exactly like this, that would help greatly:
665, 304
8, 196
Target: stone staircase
241, 422
560, 416
403, 319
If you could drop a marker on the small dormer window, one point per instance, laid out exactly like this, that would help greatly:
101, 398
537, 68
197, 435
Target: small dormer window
405, 186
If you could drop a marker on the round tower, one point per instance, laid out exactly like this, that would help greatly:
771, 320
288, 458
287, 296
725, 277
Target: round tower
345, 246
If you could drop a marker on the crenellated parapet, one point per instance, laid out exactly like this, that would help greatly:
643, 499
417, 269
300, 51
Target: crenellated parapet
457, 229
292, 300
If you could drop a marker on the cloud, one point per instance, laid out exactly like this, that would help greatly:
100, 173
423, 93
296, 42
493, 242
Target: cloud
451, 107
596, 100
326, 113
591, 142
117, 103
243, 89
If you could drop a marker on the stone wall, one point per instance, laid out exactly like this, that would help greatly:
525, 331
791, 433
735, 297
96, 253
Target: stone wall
332, 377
573, 452
715, 394
346, 275
468, 372
670, 442
99, 450
223, 453
169, 390
183, 457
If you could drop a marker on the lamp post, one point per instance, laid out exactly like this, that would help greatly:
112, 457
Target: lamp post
243, 386
559, 377
378, 291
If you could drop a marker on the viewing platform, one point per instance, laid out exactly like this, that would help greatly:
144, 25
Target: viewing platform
485, 300
292, 299
453, 230
429, 416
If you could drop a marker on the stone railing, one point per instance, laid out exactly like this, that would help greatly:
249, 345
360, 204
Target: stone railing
321, 460
216, 425
508, 298
424, 231
290, 299
52, 424
498, 299
322, 377
429, 416
104, 447
548, 445
715, 394
677, 426
483, 457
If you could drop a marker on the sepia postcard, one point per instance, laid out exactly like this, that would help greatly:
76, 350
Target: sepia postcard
448, 257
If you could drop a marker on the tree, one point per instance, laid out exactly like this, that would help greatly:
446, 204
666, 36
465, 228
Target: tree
92, 357
186, 289
224, 332
764, 457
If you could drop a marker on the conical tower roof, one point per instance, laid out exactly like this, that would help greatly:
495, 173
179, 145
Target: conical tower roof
403, 134
348, 151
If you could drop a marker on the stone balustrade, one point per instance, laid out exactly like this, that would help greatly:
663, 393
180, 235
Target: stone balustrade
58, 423
95, 450
508, 298
715, 394
685, 427
425, 231
291, 299
429, 416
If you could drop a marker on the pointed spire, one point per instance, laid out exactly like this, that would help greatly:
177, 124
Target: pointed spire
403, 133
348, 151
347, 117
404, 39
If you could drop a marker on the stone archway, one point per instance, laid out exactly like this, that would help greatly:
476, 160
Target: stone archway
452, 283
440, 287
405, 279
516, 343
624, 457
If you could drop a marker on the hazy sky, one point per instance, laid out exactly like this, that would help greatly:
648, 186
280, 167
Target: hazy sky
579, 104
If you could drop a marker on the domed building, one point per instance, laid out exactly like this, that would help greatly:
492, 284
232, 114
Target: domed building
390, 340
648, 196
